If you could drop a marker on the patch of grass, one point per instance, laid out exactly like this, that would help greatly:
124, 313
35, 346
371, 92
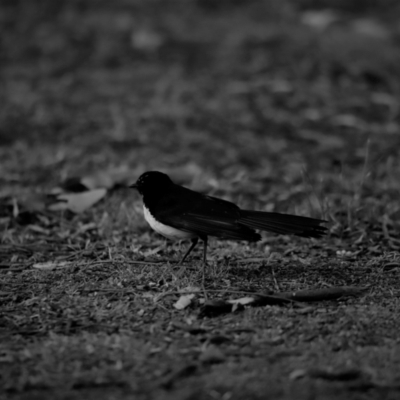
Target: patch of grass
244, 101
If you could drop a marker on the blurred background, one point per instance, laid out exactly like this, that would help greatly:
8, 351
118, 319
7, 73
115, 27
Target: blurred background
278, 104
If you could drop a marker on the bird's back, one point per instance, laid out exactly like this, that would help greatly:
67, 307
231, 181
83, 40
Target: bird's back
186, 209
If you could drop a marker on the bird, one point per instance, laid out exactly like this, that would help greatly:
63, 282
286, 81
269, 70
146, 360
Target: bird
178, 213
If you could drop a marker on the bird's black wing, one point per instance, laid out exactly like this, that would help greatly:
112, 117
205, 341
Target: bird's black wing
204, 215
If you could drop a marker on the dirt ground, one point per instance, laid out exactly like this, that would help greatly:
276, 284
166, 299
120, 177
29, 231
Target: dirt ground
288, 106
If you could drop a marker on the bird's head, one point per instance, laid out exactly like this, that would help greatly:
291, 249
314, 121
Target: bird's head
152, 182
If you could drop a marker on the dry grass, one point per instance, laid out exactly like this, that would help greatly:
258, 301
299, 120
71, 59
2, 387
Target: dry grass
243, 101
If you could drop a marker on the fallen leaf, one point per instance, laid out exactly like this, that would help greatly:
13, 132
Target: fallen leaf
297, 374
146, 39
348, 121
319, 20
184, 301
151, 252
371, 28
281, 86
243, 301
86, 227
39, 229
77, 202
49, 265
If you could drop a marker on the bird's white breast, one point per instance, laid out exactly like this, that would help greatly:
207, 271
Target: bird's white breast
165, 230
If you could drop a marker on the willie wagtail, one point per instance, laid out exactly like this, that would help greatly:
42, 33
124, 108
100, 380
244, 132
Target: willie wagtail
180, 213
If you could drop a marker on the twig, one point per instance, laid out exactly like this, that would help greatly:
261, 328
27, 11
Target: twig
123, 262
331, 293
175, 292
108, 290
274, 279
365, 166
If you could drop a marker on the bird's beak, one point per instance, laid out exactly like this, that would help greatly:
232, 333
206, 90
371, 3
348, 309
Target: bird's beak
134, 186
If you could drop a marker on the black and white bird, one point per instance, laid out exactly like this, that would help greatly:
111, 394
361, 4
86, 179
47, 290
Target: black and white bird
179, 213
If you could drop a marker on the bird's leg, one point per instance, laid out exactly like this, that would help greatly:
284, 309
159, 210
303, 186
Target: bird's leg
204, 266
205, 251
192, 246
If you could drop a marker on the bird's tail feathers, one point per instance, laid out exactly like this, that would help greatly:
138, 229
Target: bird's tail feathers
283, 223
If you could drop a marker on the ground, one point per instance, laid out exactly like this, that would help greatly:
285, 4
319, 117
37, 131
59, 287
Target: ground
289, 106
